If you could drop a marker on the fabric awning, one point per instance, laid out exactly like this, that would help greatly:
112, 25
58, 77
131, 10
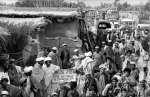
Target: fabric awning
38, 11
32, 22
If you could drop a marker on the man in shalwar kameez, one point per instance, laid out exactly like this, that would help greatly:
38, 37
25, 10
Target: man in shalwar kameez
54, 55
38, 73
87, 67
49, 71
76, 59
65, 57
97, 56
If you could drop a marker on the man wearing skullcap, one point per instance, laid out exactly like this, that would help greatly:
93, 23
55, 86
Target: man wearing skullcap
4, 94
86, 63
134, 71
39, 62
76, 59
97, 56
109, 51
117, 55
109, 89
38, 73
49, 71
65, 57
101, 80
33, 88
12, 90
54, 55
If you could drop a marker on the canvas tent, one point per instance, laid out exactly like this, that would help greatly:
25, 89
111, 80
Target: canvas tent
60, 25
42, 11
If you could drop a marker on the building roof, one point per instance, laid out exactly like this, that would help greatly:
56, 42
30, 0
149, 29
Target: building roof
42, 11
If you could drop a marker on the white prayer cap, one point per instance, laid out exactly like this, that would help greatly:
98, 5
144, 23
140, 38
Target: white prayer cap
88, 54
109, 41
39, 59
64, 44
132, 62
54, 48
4, 77
76, 50
122, 56
28, 69
48, 59
117, 76
97, 47
4, 93
109, 29
54, 93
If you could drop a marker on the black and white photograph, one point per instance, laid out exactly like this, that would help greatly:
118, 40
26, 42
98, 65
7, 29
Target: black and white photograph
74, 48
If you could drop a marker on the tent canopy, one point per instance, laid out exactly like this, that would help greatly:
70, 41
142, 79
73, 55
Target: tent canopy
31, 22
38, 11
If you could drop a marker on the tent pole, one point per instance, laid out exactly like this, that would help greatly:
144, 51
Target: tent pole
38, 44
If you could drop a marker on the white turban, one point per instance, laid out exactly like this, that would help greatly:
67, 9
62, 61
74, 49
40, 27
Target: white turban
97, 47
117, 76
76, 50
4, 93
54, 48
39, 59
64, 44
28, 69
48, 59
88, 54
132, 62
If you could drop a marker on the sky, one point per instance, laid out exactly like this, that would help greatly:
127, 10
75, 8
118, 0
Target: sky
92, 3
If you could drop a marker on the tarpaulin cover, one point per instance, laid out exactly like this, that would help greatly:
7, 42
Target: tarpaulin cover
38, 11
56, 34
31, 22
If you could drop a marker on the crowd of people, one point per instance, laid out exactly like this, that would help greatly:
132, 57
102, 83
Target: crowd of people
120, 68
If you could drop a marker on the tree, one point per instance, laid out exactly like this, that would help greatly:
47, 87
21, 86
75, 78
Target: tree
147, 6
124, 6
25, 3
48, 3
115, 3
81, 5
